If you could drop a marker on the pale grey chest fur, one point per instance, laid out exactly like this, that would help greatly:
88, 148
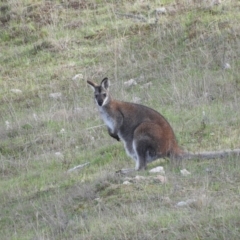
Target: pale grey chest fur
108, 120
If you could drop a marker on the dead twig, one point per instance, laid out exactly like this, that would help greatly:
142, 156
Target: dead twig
78, 167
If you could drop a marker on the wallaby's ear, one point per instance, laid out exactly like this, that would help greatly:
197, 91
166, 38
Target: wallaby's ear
92, 84
105, 83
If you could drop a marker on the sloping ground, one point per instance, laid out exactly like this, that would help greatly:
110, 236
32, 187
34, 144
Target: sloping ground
184, 57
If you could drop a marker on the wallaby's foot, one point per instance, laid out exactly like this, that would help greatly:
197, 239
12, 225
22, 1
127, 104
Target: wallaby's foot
125, 170
140, 165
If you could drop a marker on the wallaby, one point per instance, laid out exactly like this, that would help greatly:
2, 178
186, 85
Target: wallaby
146, 134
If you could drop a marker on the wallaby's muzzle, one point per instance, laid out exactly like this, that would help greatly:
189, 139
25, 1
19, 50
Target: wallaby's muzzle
100, 99
99, 102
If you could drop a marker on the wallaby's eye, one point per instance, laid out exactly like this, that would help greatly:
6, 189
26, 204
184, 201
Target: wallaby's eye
104, 95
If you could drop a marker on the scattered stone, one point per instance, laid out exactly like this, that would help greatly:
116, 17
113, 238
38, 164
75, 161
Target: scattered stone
35, 116
167, 200
62, 131
185, 172
140, 79
208, 170
158, 169
126, 183
226, 66
147, 85
59, 155
17, 91
139, 178
98, 200
55, 96
152, 21
161, 10
182, 204
7, 123
77, 77
161, 178
194, 203
130, 83
136, 100
128, 179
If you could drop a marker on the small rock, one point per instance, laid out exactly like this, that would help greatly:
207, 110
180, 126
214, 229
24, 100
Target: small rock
130, 83
77, 76
161, 10
7, 123
136, 100
55, 96
185, 203
128, 179
147, 85
208, 170
35, 116
193, 203
17, 91
62, 131
182, 204
98, 200
59, 155
138, 178
152, 21
190, 201
158, 169
140, 79
226, 66
185, 172
161, 178
166, 200
126, 183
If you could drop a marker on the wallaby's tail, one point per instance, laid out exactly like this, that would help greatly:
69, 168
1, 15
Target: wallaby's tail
212, 154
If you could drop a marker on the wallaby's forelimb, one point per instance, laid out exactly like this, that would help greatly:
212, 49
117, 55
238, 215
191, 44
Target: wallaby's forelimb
113, 135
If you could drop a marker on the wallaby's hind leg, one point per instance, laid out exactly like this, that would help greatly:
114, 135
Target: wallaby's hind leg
150, 142
140, 150
146, 151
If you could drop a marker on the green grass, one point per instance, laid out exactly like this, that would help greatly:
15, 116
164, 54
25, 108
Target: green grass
43, 46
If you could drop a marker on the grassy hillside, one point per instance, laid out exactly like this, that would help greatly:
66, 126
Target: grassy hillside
185, 58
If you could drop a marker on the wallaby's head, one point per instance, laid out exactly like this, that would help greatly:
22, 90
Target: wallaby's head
101, 92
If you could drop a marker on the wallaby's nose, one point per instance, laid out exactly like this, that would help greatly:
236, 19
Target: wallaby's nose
100, 102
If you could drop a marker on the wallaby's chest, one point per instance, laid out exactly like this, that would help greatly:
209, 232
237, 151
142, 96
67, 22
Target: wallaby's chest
108, 119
